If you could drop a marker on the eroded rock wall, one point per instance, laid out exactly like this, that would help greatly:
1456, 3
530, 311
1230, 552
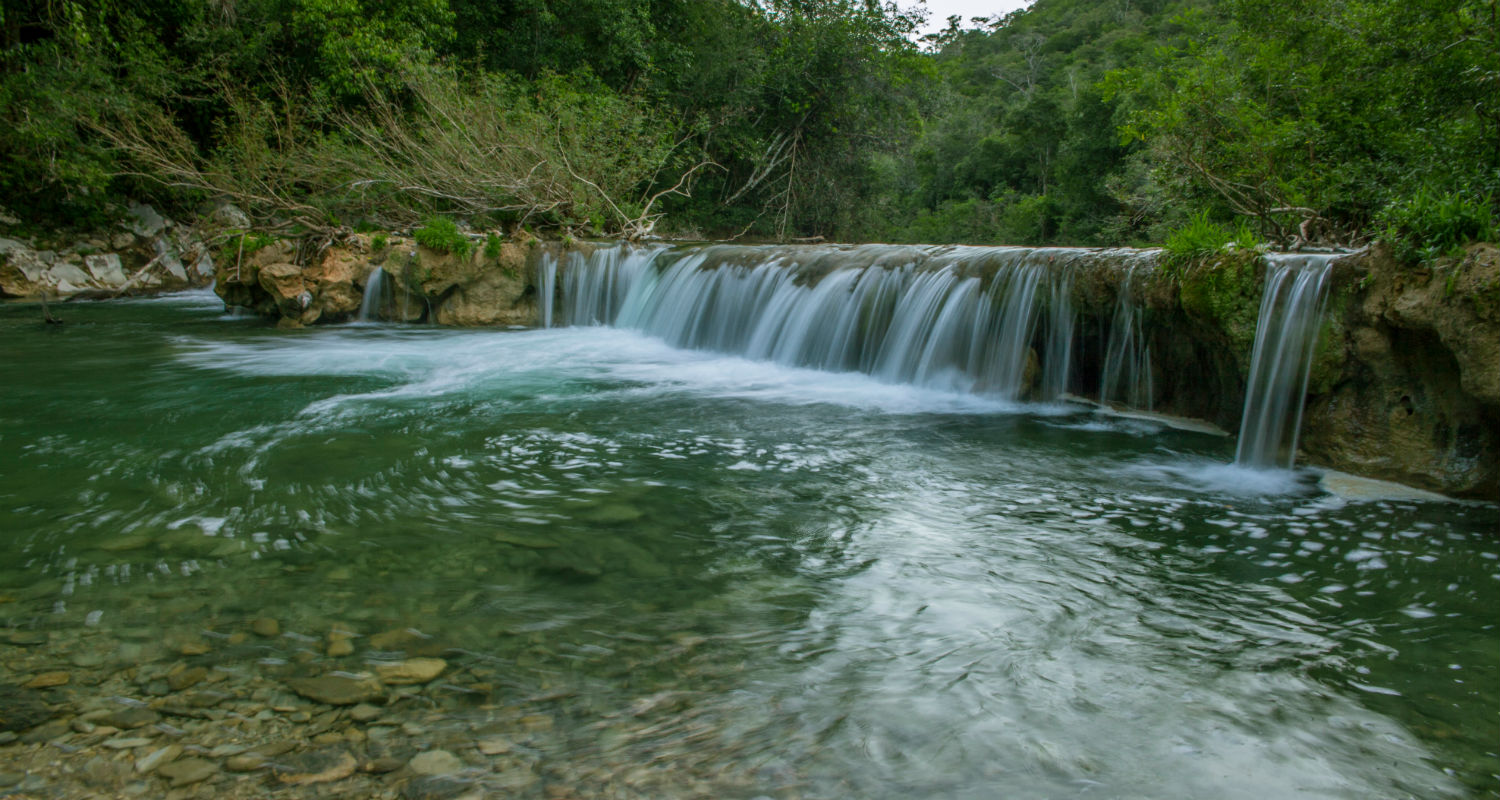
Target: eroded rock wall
301, 285
1407, 384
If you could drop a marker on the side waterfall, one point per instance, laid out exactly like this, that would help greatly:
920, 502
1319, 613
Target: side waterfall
995, 321
1286, 333
369, 307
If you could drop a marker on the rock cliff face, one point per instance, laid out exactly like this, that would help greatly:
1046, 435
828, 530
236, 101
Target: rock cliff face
1407, 385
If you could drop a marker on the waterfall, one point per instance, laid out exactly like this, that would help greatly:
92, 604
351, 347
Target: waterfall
1126, 376
995, 321
546, 280
1286, 333
369, 307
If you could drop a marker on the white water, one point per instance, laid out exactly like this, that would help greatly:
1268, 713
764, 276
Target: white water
991, 321
1286, 333
369, 307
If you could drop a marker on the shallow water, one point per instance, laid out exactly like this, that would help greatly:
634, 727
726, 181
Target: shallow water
760, 580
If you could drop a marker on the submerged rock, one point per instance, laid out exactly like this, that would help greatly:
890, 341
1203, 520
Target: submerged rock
22, 709
337, 690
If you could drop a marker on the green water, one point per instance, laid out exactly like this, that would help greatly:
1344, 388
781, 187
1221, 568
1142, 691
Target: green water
758, 581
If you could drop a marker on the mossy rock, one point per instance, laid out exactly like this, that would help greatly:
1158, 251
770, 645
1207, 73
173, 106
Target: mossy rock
1224, 291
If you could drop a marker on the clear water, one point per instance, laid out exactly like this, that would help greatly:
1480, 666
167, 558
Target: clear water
757, 580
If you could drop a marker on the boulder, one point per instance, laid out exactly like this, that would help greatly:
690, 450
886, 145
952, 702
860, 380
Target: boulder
228, 215
21, 269
337, 283
144, 221
286, 288
106, 270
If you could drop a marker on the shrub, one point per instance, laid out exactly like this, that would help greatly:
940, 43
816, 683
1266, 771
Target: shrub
442, 234
377, 242
1430, 224
492, 244
1202, 237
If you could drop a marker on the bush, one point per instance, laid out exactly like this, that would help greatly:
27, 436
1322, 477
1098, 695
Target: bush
442, 234
377, 242
1430, 224
1202, 237
492, 244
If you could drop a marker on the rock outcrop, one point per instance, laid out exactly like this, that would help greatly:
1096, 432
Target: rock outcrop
1407, 386
422, 285
146, 254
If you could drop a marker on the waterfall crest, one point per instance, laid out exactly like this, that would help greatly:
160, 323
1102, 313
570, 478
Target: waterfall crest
997, 321
1286, 334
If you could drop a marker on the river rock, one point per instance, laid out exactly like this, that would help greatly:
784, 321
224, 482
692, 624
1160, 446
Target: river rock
435, 762
411, 671
265, 626
130, 718
157, 758
440, 787
245, 762
336, 690
182, 679
47, 680
364, 712
22, 709
318, 766
188, 771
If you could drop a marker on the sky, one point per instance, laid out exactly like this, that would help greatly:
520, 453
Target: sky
938, 11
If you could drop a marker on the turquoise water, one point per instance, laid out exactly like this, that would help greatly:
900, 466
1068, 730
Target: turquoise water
759, 580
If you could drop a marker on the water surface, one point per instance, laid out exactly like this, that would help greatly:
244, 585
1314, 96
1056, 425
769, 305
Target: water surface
757, 580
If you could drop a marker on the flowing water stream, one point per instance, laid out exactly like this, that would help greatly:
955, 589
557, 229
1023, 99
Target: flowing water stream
698, 574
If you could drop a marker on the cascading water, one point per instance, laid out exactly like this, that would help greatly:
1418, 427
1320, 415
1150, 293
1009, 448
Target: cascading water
996, 321
1286, 333
547, 291
1126, 376
369, 307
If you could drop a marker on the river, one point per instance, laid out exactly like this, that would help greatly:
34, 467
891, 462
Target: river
683, 573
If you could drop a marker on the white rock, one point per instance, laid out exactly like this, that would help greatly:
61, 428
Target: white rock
144, 221
106, 269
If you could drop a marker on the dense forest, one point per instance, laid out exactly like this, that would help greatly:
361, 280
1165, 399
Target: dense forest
1087, 122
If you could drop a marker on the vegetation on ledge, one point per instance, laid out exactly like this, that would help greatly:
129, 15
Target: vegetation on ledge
1071, 122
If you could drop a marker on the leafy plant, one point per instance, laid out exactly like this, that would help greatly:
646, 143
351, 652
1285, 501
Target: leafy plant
1431, 224
378, 242
442, 235
1200, 237
492, 245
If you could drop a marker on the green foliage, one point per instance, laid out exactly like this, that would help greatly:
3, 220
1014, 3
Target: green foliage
1071, 122
378, 242
1202, 237
1431, 224
442, 235
492, 245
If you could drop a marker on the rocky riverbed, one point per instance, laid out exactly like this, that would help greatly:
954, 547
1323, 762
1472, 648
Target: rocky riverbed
253, 710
